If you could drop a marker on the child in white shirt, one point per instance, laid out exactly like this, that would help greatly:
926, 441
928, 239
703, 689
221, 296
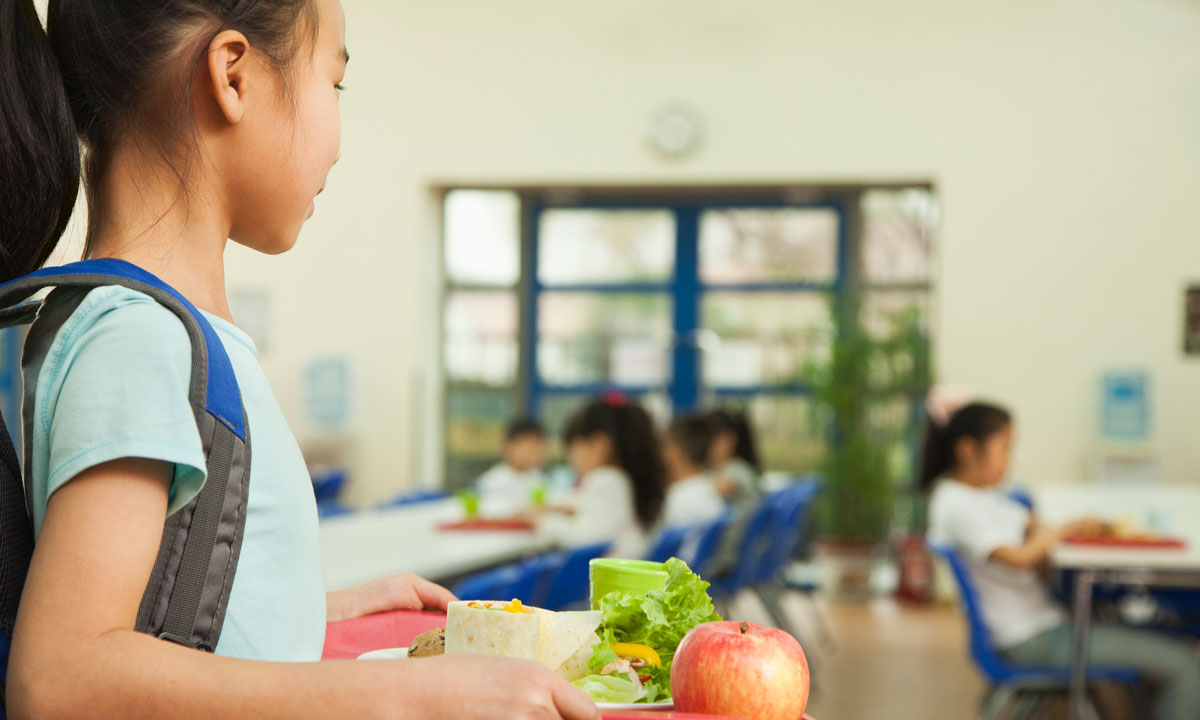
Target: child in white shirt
691, 497
613, 447
1003, 545
508, 488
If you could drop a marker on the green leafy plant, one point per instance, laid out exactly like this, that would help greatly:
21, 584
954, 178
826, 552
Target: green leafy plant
863, 396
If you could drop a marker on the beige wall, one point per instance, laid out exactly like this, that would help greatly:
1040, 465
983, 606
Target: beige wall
1063, 137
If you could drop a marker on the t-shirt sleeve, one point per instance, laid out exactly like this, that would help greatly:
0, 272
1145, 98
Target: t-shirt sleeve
978, 530
114, 385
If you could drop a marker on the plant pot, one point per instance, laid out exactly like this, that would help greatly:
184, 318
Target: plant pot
845, 567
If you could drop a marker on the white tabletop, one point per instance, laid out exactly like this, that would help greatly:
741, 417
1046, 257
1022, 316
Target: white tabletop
1085, 557
366, 545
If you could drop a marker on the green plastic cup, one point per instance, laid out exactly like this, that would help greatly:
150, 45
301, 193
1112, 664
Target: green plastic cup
470, 502
616, 575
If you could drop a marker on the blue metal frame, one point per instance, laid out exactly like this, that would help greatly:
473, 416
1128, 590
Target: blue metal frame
686, 290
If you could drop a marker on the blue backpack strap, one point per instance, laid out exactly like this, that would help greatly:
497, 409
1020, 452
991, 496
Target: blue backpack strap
188, 590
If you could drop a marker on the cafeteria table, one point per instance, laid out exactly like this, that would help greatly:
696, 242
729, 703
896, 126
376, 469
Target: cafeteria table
1177, 567
366, 545
350, 638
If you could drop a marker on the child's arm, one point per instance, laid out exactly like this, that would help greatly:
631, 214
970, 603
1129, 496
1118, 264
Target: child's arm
76, 655
1040, 541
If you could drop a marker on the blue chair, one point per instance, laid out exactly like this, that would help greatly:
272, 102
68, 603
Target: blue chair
1024, 686
569, 587
669, 542
332, 508
420, 496
755, 538
709, 544
537, 573
328, 482
495, 584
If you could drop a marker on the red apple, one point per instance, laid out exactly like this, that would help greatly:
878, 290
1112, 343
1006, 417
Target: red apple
740, 669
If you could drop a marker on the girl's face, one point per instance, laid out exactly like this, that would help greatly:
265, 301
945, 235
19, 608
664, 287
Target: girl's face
986, 464
288, 143
585, 454
723, 447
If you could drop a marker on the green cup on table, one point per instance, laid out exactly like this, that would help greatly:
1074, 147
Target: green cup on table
470, 502
616, 575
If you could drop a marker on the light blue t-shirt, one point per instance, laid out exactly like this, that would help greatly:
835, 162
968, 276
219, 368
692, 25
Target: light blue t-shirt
114, 384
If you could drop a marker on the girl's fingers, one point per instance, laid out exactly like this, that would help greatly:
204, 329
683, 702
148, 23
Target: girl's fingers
573, 703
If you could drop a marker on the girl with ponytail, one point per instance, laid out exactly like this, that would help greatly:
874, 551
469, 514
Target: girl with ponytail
613, 447
191, 123
1003, 545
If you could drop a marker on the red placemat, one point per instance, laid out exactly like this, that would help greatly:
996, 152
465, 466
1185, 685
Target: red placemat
1169, 543
489, 524
669, 715
348, 639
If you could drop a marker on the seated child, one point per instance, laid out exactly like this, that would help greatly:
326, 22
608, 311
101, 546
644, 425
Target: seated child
691, 497
733, 458
1003, 545
508, 487
613, 448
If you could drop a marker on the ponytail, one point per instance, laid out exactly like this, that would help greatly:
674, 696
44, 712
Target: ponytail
635, 445
977, 421
39, 147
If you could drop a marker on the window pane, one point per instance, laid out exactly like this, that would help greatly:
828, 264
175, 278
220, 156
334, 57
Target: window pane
754, 246
620, 338
606, 246
481, 336
476, 419
897, 239
884, 313
761, 338
482, 237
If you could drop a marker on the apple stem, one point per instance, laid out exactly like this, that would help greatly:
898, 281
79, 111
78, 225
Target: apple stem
745, 627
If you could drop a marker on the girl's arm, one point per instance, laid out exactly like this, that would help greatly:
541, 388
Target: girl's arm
75, 653
1040, 540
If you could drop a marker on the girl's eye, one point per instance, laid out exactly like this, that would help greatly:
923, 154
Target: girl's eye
339, 87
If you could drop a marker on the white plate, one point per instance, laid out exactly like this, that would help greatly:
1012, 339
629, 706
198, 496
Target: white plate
660, 705
386, 654
402, 654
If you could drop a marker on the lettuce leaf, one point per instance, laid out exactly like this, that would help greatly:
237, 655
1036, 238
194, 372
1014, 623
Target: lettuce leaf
610, 688
659, 619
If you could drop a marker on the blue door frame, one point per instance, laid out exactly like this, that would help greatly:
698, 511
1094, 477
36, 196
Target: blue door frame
686, 291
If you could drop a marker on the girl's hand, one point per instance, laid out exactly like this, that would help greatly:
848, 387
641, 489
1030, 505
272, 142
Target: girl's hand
1085, 528
405, 591
483, 687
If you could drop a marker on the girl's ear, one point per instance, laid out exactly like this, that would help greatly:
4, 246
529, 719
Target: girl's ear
965, 451
228, 71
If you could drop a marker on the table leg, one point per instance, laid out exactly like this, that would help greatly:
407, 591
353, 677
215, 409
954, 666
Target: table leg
1084, 580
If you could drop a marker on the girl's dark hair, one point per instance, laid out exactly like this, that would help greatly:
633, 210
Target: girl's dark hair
694, 434
108, 72
635, 446
736, 422
978, 421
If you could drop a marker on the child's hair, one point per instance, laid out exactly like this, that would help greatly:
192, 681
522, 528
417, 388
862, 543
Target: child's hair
977, 420
523, 427
635, 447
736, 422
108, 73
694, 435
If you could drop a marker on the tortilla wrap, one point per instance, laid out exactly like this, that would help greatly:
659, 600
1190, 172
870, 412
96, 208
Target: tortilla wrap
561, 641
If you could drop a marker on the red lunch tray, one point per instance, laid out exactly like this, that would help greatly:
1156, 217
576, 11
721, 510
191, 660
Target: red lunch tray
1164, 543
489, 525
347, 639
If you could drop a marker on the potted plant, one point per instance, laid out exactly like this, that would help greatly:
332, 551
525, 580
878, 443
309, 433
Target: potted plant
864, 392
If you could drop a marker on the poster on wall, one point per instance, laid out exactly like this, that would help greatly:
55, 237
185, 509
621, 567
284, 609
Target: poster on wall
1191, 320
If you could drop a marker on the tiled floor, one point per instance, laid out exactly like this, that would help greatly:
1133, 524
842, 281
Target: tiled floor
887, 661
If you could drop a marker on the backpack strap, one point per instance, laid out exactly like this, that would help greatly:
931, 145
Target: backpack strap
188, 591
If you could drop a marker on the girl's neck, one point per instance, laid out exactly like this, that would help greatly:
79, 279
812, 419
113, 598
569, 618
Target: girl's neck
968, 478
145, 220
